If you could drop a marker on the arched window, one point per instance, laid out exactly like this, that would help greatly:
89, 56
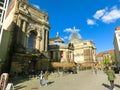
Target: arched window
31, 41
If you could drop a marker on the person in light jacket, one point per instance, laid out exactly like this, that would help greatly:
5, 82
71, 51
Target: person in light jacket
41, 78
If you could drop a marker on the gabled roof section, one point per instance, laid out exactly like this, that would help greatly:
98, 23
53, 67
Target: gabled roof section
57, 39
111, 51
105, 52
100, 54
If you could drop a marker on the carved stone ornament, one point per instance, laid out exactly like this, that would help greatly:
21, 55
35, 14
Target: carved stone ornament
23, 7
31, 27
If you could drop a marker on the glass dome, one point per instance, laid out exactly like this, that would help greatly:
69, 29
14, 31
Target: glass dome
75, 35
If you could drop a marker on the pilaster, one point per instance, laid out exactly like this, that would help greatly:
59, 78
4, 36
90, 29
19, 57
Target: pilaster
18, 32
43, 40
46, 41
24, 26
38, 39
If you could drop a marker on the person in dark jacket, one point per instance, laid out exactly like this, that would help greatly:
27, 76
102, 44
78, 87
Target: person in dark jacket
111, 77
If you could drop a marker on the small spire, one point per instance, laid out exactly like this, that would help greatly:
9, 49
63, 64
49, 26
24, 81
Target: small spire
74, 28
57, 34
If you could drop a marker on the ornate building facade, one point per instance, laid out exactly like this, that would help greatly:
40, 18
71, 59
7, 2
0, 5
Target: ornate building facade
59, 51
28, 29
76, 51
84, 50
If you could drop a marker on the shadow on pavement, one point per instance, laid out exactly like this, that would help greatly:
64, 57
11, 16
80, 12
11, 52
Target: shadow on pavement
117, 85
106, 85
18, 80
50, 82
19, 87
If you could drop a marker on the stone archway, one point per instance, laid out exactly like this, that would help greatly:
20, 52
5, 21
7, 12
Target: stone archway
38, 32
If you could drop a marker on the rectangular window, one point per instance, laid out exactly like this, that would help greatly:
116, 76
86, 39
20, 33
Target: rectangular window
51, 54
87, 54
85, 43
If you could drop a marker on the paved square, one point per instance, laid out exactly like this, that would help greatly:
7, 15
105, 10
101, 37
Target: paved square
84, 80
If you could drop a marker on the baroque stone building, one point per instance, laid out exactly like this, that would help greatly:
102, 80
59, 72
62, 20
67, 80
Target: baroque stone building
76, 51
59, 51
28, 29
84, 50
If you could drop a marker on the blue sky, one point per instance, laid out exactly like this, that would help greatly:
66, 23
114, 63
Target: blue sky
95, 20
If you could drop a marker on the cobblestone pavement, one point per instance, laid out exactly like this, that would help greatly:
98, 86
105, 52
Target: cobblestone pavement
84, 80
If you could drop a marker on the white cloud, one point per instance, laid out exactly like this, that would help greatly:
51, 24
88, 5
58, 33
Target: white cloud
68, 30
99, 13
36, 6
71, 30
90, 22
107, 15
111, 16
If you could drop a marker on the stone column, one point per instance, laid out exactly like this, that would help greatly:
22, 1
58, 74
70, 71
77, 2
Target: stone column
18, 32
24, 26
91, 58
38, 43
27, 36
71, 58
43, 40
46, 41
64, 55
59, 57
19, 22
94, 53
24, 34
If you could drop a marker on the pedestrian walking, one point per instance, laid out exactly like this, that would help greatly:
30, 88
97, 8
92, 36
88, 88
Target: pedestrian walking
95, 68
111, 77
46, 78
41, 78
